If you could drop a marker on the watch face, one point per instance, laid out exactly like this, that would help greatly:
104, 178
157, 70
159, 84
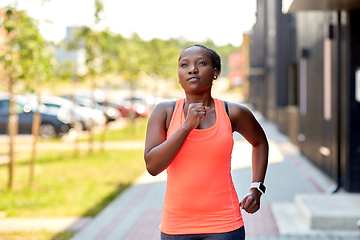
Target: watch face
262, 187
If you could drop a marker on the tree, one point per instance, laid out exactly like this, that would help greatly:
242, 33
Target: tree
162, 60
92, 42
39, 69
131, 63
24, 60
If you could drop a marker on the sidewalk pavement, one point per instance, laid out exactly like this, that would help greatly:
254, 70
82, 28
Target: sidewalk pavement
136, 213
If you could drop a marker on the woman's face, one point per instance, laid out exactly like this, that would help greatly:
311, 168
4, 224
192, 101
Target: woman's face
195, 70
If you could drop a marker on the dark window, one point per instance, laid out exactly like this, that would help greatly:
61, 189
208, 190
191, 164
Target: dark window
293, 85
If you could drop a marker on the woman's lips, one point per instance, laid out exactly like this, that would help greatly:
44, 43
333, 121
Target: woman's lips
193, 79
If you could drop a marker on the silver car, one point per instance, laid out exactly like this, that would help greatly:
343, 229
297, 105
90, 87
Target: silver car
85, 115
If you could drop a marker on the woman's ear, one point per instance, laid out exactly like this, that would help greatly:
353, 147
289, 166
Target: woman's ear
216, 72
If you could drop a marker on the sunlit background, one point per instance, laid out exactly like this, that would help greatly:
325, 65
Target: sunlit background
223, 22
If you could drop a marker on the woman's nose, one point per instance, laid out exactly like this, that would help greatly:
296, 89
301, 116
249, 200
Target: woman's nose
193, 70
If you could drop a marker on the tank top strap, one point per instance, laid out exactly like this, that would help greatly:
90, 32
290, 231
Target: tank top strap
175, 121
221, 113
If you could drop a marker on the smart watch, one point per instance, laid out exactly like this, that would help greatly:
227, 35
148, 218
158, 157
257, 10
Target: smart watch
259, 186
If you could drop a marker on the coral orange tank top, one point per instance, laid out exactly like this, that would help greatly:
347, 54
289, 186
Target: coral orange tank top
200, 195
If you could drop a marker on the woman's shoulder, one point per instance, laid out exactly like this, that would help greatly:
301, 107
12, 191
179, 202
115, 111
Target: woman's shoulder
240, 116
164, 108
166, 105
162, 112
236, 108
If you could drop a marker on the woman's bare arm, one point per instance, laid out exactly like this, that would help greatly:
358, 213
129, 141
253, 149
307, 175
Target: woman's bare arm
244, 122
159, 152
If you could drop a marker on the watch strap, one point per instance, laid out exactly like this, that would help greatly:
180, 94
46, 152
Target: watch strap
258, 185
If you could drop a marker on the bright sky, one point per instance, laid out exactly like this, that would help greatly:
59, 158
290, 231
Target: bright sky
196, 20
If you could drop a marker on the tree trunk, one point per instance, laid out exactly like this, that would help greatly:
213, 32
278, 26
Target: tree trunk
91, 133
35, 132
103, 135
76, 141
12, 130
132, 96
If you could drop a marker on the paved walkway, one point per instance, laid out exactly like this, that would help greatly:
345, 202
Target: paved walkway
136, 213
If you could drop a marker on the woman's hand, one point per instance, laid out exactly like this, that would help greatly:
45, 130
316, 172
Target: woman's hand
196, 112
160, 151
251, 202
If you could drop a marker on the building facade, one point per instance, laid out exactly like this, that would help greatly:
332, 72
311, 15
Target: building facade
76, 58
305, 76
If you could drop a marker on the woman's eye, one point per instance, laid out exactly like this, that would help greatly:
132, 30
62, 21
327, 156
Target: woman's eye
202, 63
183, 65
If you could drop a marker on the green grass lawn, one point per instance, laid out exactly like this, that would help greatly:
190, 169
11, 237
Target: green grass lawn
66, 185
36, 235
69, 186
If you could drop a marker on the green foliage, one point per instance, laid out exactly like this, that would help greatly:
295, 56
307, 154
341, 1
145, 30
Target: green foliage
162, 59
99, 8
109, 49
29, 57
70, 186
26, 55
90, 41
131, 59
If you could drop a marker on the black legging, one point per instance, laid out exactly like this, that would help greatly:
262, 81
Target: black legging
238, 234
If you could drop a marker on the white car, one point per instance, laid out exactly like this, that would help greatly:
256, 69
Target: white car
110, 113
85, 115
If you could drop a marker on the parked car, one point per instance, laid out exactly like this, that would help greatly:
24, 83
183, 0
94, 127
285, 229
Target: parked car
137, 104
111, 113
85, 115
124, 109
53, 124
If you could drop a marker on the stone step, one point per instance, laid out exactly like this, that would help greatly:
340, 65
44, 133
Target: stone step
340, 211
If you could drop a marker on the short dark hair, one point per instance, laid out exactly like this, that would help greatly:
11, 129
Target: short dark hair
214, 56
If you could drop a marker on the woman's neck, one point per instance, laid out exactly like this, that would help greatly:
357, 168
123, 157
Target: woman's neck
206, 99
